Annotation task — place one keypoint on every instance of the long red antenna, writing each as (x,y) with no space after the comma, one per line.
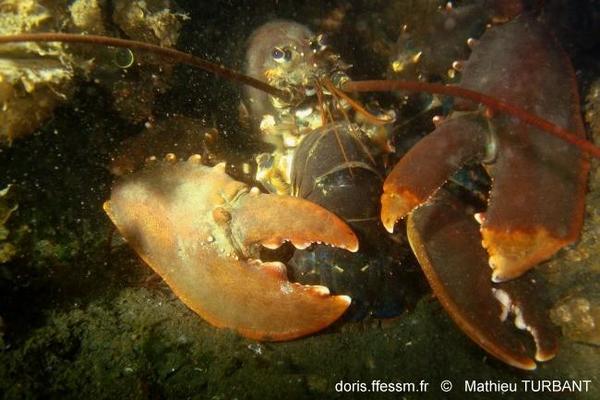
(172,54)
(491,102)
(356,86)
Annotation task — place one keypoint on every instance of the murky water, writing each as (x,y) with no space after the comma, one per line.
(81,316)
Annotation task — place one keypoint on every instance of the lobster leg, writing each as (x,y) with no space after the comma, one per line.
(429,164)
(445,239)
(200,230)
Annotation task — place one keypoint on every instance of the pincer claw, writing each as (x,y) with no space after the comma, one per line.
(270,220)
(200,230)
(444,237)
(424,169)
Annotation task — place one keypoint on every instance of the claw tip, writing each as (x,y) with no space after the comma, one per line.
(543,356)
(395,207)
(345,299)
(389,224)
(353,248)
(530,365)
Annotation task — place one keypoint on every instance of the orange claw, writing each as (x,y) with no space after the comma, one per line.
(199,230)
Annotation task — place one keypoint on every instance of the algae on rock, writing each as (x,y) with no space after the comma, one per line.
(35,78)
(7,249)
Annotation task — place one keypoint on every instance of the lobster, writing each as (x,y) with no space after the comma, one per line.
(202,231)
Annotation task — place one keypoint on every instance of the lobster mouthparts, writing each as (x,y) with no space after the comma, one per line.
(201,231)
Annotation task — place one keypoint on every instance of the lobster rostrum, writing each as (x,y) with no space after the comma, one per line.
(202,231)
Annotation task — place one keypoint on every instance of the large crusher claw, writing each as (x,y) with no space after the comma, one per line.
(200,230)
(445,239)
(536,204)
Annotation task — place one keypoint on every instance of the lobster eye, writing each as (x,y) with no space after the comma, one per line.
(281,55)
(278,54)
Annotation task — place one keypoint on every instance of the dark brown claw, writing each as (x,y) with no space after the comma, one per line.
(522,298)
(536,203)
(537,198)
(445,239)
(199,230)
(427,166)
